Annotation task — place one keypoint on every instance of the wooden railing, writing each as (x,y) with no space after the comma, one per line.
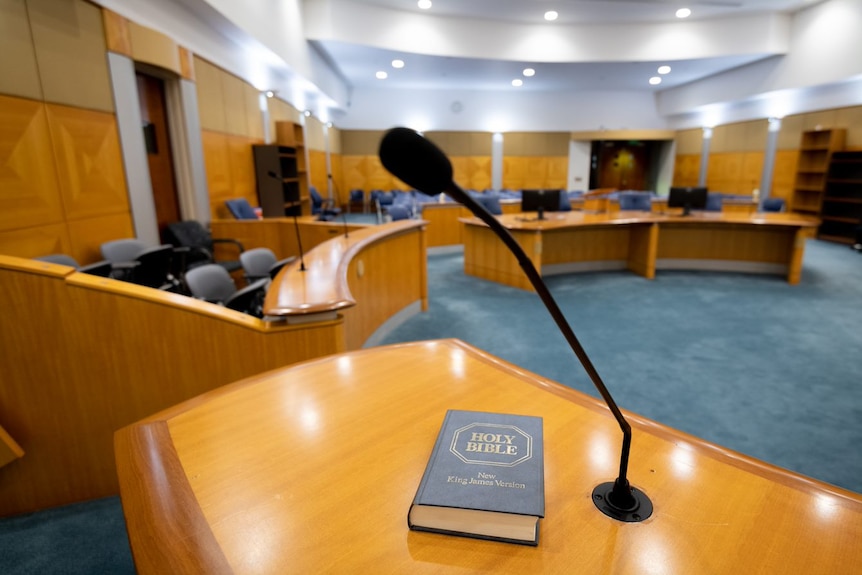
(82,356)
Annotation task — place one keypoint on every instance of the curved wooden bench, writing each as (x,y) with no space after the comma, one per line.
(84,355)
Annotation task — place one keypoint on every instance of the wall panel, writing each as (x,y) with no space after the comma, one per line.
(19,74)
(34,241)
(86,235)
(210,96)
(70,50)
(89,164)
(28,177)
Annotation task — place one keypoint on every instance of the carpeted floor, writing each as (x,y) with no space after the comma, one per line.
(748,362)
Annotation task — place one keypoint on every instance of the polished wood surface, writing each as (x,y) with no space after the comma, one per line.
(381,270)
(83,356)
(312,468)
(279,234)
(9,448)
(642,242)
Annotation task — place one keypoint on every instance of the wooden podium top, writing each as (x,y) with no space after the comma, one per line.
(312,469)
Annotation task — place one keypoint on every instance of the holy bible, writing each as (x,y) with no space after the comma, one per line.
(485,479)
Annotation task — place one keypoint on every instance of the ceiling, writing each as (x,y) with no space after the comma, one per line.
(359,63)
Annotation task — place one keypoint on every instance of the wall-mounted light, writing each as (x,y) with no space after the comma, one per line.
(306,113)
(707,132)
(270,93)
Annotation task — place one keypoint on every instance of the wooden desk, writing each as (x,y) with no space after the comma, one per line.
(312,468)
(643,242)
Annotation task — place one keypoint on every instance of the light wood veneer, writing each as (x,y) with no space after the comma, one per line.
(642,242)
(312,469)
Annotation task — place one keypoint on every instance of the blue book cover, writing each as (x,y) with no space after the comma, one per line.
(485,478)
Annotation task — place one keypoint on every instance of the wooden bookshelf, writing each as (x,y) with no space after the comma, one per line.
(841,211)
(815,153)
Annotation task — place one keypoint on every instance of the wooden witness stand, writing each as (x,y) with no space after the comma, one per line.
(312,468)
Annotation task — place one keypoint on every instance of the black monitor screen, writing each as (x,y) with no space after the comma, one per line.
(687,198)
(540,201)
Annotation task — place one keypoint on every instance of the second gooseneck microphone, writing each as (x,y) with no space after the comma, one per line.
(422,165)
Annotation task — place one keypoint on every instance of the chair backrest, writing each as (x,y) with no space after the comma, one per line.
(189,233)
(124,250)
(210,282)
(635,201)
(772,205)
(565,204)
(316,199)
(61,259)
(490,201)
(154,267)
(250,298)
(398,212)
(241,209)
(713,202)
(257,262)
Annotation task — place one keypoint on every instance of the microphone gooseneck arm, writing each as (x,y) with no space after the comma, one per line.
(621,485)
(299,244)
(421,164)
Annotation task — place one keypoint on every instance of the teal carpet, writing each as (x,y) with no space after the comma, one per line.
(748,362)
(745,361)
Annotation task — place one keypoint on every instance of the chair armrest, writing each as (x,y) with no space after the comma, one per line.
(229,241)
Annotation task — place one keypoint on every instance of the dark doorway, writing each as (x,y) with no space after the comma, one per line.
(624,165)
(151,93)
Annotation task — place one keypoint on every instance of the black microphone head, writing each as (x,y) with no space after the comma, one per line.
(415,161)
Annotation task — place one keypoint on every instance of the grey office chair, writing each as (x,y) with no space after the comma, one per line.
(258,263)
(101,268)
(212,283)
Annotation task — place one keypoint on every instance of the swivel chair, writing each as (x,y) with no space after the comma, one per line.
(324,209)
(241,209)
(101,268)
(641,201)
(259,263)
(196,246)
(212,283)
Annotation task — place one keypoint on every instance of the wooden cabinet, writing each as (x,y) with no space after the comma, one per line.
(841,213)
(282,176)
(815,153)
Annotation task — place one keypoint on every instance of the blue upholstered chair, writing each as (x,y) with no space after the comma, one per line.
(398,212)
(632,200)
(241,209)
(713,202)
(490,201)
(772,205)
(323,208)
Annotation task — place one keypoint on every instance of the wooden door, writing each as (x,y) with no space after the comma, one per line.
(623,165)
(151,93)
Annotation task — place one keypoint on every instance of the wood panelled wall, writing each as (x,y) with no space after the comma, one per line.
(535,160)
(231,122)
(530,160)
(737,151)
(62,180)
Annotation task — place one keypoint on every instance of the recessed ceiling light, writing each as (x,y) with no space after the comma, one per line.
(424,4)
(683,13)
(381,75)
(517,82)
(397,63)
(664,69)
(528,72)
(655,80)
(551,15)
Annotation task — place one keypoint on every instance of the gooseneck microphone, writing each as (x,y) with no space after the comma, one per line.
(422,165)
(274,176)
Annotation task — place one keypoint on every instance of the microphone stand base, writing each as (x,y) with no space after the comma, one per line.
(640,510)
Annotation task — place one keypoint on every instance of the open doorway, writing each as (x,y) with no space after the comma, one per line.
(154,117)
(625,164)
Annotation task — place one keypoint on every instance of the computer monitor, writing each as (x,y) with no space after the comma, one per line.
(540,201)
(687,198)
